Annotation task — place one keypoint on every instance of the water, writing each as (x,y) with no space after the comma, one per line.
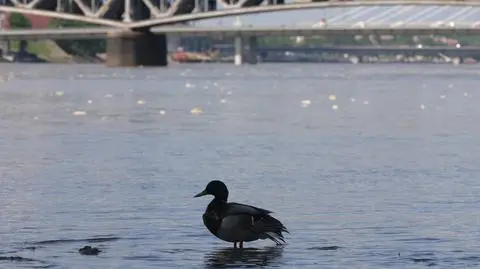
(388,180)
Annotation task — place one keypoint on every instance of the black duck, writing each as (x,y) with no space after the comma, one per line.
(238,223)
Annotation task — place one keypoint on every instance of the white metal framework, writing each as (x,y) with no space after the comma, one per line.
(149,13)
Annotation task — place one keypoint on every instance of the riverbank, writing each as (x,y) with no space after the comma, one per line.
(48,51)
(45,51)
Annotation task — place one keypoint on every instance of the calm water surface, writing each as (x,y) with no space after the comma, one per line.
(390,179)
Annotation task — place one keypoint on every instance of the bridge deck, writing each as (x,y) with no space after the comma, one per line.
(89,33)
(148,13)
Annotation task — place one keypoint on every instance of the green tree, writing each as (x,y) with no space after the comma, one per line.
(18,21)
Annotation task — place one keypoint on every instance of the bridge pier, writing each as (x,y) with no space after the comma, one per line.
(136,48)
(457,60)
(238,48)
(252,50)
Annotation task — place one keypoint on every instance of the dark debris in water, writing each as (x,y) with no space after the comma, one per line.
(88,250)
(325,248)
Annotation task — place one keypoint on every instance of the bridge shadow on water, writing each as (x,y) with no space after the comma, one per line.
(242,258)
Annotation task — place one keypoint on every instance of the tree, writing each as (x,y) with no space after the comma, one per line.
(18,21)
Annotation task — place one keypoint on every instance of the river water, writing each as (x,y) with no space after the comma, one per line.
(384,176)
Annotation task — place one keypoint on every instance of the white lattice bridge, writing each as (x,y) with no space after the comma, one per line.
(139,46)
(148,13)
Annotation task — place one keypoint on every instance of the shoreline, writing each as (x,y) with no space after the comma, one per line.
(52,53)
(79,60)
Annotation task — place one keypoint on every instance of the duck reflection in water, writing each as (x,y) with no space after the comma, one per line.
(243,257)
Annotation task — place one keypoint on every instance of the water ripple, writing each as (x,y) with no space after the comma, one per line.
(388,179)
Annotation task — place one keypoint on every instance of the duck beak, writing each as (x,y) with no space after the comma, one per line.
(203,193)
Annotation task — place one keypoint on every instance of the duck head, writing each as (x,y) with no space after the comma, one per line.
(216,188)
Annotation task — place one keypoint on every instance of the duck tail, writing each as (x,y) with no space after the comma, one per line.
(271,228)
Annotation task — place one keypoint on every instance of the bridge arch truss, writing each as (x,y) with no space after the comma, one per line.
(149,13)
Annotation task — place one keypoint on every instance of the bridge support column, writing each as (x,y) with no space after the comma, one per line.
(136,48)
(238,57)
(252,49)
(457,60)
